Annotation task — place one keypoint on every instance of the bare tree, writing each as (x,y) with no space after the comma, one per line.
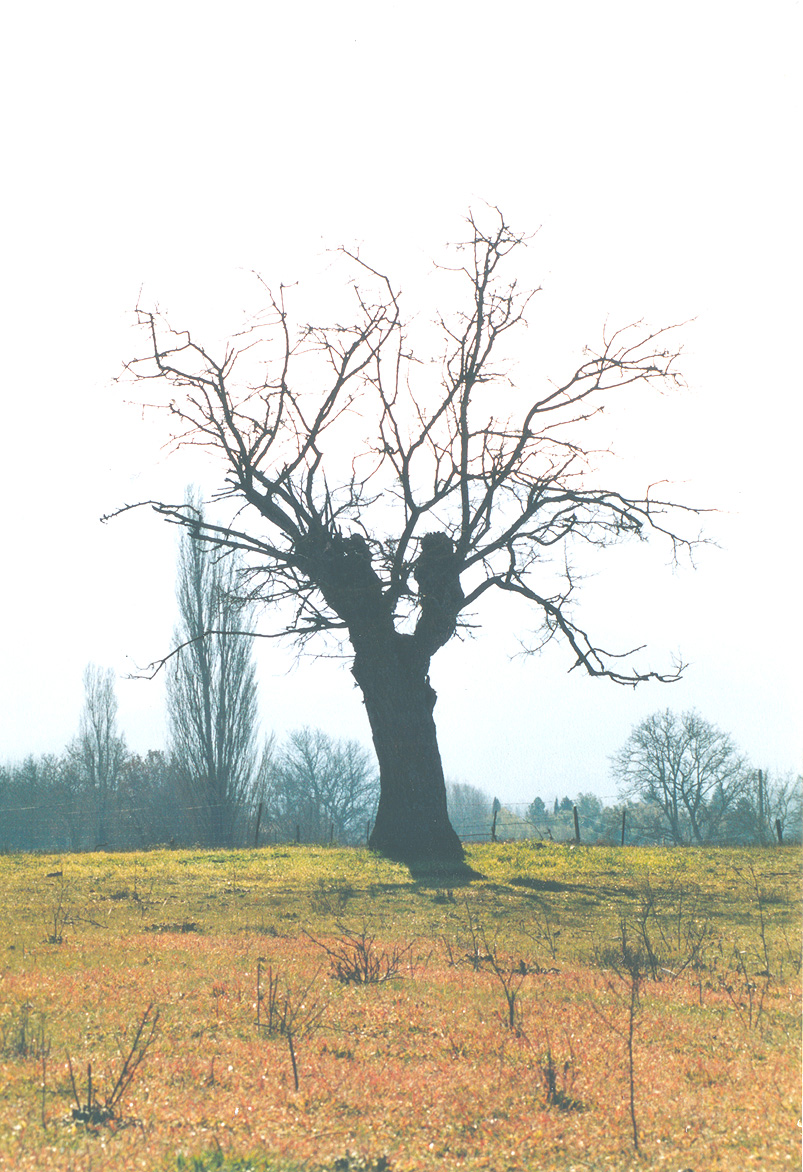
(381,497)
(766,802)
(211,685)
(325,787)
(470,809)
(98,754)
(687,768)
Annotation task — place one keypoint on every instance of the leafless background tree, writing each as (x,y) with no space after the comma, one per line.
(381,492)
(97,755)
(322,788)
(685,767)
(470,809)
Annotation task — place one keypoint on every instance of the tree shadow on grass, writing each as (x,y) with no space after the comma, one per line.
(428,873)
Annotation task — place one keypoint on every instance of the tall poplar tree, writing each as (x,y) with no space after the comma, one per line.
(99,752)
(212,687)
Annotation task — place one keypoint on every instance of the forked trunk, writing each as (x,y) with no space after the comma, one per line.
(391,669)
(412,822)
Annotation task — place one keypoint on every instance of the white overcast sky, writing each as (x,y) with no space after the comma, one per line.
(175,147)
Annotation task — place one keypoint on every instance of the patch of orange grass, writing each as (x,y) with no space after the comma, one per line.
(422,1069)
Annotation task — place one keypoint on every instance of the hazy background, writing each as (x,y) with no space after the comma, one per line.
(164,151)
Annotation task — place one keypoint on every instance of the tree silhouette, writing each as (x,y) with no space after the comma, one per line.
(380,497)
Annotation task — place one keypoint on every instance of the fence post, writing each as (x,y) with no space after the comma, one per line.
(576,825)
(496,808)
(259,819)
(624,817)
(298,834)
(779,831)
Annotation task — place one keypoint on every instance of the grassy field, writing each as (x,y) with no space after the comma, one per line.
(561,1008)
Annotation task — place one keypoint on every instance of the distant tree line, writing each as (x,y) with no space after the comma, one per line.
(311,788)
(644,823)
(681,780)
(471,811)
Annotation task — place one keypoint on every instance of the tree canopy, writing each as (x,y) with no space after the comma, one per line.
(687,768)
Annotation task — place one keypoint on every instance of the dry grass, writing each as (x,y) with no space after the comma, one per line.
(435,1066)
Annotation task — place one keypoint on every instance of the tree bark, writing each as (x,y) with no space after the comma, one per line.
(412,822)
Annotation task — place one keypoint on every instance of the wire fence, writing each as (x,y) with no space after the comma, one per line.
(68,823)
(53,827)
(621,825)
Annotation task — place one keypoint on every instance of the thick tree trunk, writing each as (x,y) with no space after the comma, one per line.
(412,822)
(391,669)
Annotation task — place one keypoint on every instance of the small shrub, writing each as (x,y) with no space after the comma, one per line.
(544,929)
(291,1014)
(558,1079)
(509,973)
(286,1012)
(95,1111)
(59,913)
(356,959)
